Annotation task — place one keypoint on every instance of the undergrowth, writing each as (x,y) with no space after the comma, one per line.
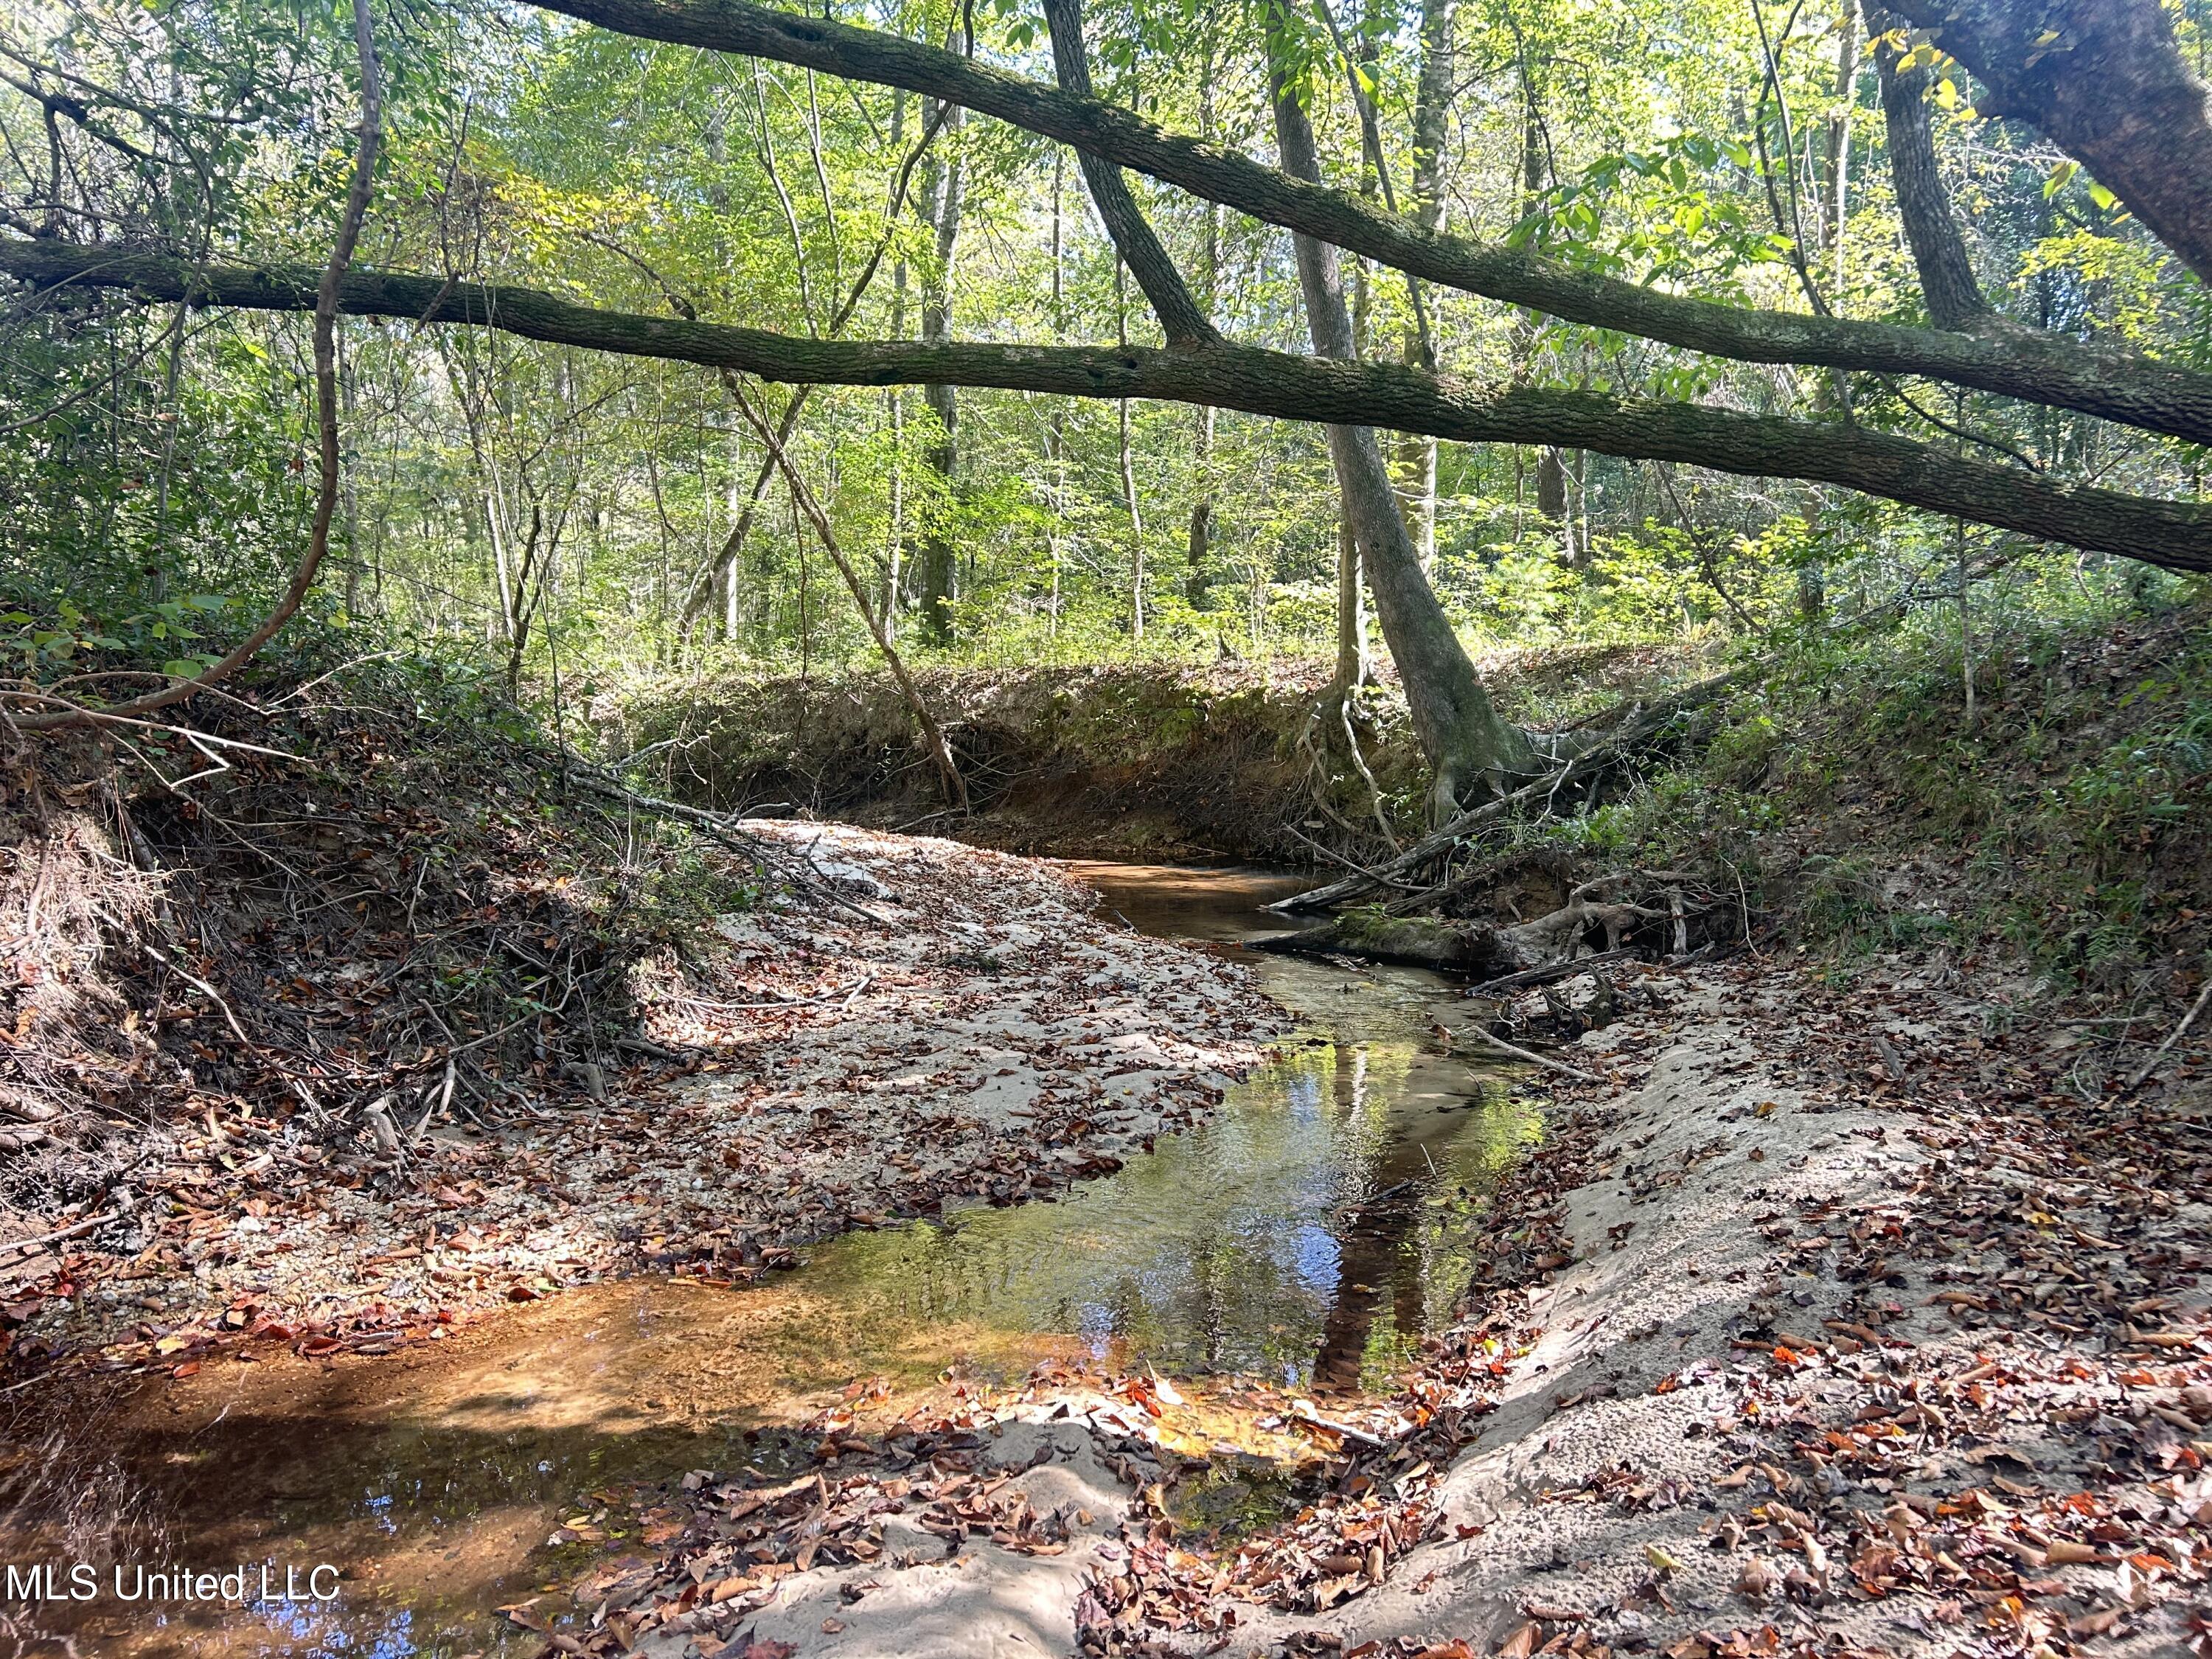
(2066,821)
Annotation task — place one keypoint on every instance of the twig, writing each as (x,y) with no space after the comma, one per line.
(1478,1034)
(1305,1413)
(1377,877)
(107,717)
(1374,1199)
(1557,970)
(717,825)
(843,999)
(2158,1054)
(201,985)
(1638,727)
(55,1238)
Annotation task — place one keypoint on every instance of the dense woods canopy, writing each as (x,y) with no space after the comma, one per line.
(1667,314)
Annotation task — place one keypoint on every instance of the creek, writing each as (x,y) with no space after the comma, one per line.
(1307,1235)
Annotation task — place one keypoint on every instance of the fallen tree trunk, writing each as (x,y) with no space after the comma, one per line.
(2175,535)
(1408,941)
(1525,953)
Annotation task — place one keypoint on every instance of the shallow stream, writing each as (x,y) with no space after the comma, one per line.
(1308,1234)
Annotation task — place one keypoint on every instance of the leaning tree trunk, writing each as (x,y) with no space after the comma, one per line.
(942,205)
(1474,751)
(2105,80)
(1939,252)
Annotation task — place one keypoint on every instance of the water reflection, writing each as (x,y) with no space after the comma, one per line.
(1309,1232)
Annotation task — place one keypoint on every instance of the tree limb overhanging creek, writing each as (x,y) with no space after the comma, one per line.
(2173,534)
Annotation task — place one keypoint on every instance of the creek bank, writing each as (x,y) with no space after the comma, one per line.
(1827,1322)
(980,1035)
(1143,761)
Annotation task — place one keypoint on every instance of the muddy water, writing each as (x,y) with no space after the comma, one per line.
(1307,1234)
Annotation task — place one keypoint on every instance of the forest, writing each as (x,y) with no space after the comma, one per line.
(1321,826)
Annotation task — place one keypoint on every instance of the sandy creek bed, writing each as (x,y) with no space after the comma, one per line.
(433,1478)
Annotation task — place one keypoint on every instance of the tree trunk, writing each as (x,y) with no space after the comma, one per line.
(1552,486)
(1055,434)
(1136,527)
(1140,250)
(1417,451)
(1536,171)
(1354,666)
(894,411)
(1939,251)
(941,206)
(1473,752)
(1836,193)
(2106,82)
(1197,575)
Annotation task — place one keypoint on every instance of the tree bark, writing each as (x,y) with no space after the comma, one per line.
(942,202)
(1470,747)
(1354,666)
(2174,535)
(2106,82)
(1939,251)
(2108,381)
(1199,542)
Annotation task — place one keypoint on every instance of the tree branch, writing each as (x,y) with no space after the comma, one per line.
(2176,535)
(2114,383)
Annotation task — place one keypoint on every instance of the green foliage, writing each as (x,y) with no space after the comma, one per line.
(567,522)
(2070,819)
(1658,216)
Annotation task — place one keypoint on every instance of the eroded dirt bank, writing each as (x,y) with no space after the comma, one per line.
(963,1025)
(1121,761)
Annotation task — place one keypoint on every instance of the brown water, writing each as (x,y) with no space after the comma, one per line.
(1307,1234)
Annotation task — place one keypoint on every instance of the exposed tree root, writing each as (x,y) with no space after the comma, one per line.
(1639,729)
